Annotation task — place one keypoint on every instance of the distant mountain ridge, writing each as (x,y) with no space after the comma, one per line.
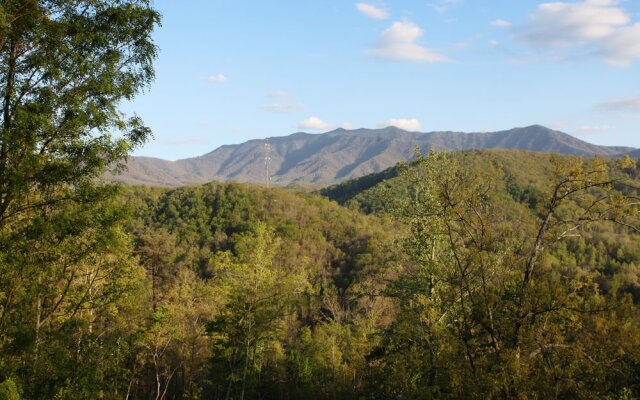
(303,158)
(634,154)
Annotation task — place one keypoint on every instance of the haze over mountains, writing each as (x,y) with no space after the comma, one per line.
(335,156)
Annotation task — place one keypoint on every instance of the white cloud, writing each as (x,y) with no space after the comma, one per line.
(219,78)
(572,24)
(623,47)
(315,124)
(372,12)
(603,2)
(501,23)
(409,124)
(494,42)
(398,42)
(629,104)
(592,129)
(281,102)
(599,27)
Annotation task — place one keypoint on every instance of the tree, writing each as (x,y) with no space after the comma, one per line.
(67,284)
(65,66)
(155,249)
(483,310)
(259,296)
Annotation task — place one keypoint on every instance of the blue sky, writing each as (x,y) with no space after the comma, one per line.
(234,70)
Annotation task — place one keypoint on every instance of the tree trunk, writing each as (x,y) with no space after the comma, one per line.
(244,372)
(6,127)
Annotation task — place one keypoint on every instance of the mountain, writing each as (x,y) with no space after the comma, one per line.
(336,156)
(370,193)
(634,154)
(520,176)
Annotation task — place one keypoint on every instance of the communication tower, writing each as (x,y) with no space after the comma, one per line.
(267,163)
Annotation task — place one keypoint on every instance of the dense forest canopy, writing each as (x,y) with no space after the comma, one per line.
(238,291)
(475,274)
(65,67)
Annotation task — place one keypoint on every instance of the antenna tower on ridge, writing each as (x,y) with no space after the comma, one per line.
(267,162)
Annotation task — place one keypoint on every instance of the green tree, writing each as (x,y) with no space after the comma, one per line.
(65,66)
(483,311)
(259,296)
(9,390)
(155,249)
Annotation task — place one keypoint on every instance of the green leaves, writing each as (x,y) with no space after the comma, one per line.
(64,68)
(489,297)
(9,390)
(65,260)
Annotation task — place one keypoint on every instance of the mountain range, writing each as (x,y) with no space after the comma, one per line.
(339,155)
(634,154)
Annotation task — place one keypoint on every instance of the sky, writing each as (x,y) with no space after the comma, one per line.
(229,71)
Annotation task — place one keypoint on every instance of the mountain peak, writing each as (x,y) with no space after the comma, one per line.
(344,154)
(536,129)
(388,129)
(539,127)
(394,129)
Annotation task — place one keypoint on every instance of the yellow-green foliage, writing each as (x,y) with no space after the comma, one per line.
(499,274)
(9,390)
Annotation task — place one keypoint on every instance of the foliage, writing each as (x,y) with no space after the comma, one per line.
(279,274)
(309,300)
(64,68)
(484,311)
(67,275)
(9,390)
(478,275)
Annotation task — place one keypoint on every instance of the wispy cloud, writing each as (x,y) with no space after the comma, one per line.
(628,104)
(281,102)
(399,43)
(218,78)
(442,6)
(315,124)
(501,23)
(598,27)
(372,12)
(408,124)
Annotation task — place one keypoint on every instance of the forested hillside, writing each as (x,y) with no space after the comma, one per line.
(280,290)
(473,274)
(229,291)
(522,279)
(519,183)
(218,291)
